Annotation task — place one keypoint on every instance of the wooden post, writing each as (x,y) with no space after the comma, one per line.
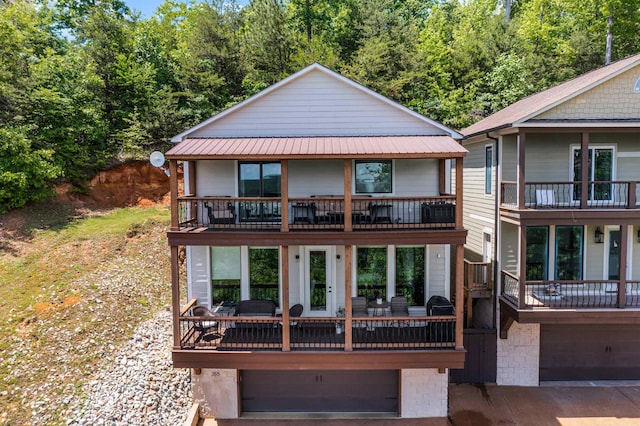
(522,139)
(192,189)
(459,294)
(173,187)
(584,164)
(347,196)
(284,208)
(286,337)
(459,172)
(631,204)
(175,295)
(622,266)
(348,317)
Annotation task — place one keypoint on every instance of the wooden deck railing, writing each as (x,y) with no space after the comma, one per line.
(579,294)
(478,275)
(230,333)
(316,213)
(567,195)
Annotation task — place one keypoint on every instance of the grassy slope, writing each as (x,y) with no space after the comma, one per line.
(68,296)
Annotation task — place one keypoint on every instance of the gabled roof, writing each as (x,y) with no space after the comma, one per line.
(318,147)
(531,106)
(299,75)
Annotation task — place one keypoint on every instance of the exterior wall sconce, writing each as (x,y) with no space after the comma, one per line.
(297,258)
(638,236)
(338,256)
(598,236)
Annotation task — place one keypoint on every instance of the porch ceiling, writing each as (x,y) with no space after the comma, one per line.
(318,147)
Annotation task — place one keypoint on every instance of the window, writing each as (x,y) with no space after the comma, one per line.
(372,272)
(264,274)
(410,274)
(488,167)
(537,253)
(225,274)
(373,177)
(259,179)
(569,252)
(600,168)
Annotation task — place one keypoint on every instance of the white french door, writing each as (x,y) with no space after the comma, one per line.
(318,283)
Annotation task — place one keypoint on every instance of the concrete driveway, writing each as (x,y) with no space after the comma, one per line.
(483,405)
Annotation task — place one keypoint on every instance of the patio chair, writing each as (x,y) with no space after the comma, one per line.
(399,306)
(207,329)
(220,212)
(359,307)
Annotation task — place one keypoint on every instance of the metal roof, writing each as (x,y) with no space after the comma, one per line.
(318,147)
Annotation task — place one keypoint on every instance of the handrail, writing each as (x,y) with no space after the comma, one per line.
(190,304)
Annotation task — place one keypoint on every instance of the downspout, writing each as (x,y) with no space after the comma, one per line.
(496,223)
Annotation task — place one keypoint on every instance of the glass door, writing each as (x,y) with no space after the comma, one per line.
(600,164)
(319,281)
(614,254)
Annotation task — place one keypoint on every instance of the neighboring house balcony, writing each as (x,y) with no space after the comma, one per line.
(568,301)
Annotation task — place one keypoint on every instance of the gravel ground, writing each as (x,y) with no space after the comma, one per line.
(139,386)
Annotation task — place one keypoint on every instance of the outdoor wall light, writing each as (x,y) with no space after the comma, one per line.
(598,236)
(338,256)
(297,257)
(639,235)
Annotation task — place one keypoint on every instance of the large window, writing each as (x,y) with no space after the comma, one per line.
(488,167)
(259,180)
(225,274)
(373,177)
(410,274)
(569,252)
(263,274)
(537,253)
(372,272)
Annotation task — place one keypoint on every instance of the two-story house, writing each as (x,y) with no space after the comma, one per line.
(322,226)
(551,191)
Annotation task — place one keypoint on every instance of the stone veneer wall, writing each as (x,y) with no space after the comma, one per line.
(519,356)
(424,393)
(216,390)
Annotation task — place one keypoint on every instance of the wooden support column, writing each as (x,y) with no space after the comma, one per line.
(347,196)
(284,184)
(522,265)
(631,203)
(622,267)
(442,167)
(459,294)
(175,295)
(584,165)
(348,317)
(459,172)
(522,139)
(173,187)
(286,336)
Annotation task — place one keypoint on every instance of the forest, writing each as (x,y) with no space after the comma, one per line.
(86,84)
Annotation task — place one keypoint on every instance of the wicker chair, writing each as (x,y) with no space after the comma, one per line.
(399,306)
(359,307)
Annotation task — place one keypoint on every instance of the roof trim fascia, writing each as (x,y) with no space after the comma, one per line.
(295,76)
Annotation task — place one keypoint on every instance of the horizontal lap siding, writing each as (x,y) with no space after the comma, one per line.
(317,104)
(477,204)
(548,157)
(324,177)
(216,178)
(416,178)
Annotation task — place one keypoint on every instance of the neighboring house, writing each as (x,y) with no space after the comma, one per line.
(302,206)
(551,192)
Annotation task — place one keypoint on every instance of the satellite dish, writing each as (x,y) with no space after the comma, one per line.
(157,159)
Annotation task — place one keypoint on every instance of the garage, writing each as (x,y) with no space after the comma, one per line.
(320,391)
(589,352)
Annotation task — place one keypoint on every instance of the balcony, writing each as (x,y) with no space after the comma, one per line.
(230,333)
(583,294)
(568,195)
(315,213)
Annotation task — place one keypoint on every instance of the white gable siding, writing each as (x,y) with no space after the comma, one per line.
(317,104)
(198,274)
(613,99)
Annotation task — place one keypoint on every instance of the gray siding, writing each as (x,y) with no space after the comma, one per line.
(317,104)
(216,177)
(509,248)
(509,160)
(479,208)
(416,177)
(437,279)
(635,253)
(593,261)
(311,177)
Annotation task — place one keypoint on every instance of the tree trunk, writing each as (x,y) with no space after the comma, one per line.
(607,57)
